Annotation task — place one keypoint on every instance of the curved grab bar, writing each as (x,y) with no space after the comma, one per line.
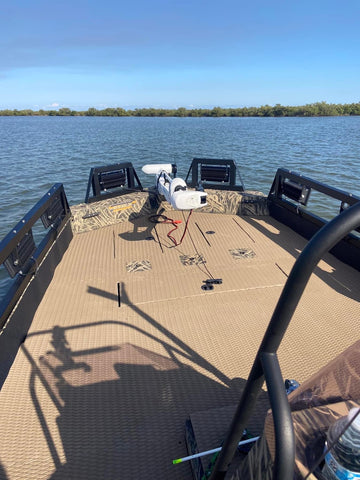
(284,432)
(321,242)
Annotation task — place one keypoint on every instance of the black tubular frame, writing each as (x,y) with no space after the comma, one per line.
(306,223)
(132,181)
(266,365)
(9,243)
(283,174)
(284,443)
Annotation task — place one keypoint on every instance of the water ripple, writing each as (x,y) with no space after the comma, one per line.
(37,152)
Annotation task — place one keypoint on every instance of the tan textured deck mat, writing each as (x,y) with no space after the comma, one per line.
(126,345)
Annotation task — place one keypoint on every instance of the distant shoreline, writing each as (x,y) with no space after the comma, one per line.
(319,109)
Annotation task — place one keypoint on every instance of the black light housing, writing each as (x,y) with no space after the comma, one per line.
(19,258)
(296,191)
(215,173)
(54,213)
(112,179)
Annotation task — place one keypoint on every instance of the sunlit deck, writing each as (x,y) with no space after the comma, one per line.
(126,345)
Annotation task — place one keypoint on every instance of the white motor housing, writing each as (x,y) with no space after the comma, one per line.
(157,168)
(175,189)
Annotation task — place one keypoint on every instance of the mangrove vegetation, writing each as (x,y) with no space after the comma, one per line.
(319,109)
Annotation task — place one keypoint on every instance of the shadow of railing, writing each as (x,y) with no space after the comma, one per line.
(3,474)
(337,279)
(122,407)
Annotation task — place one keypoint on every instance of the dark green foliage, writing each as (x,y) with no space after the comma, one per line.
(318,109)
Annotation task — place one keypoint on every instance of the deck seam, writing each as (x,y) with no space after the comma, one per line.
(212,293)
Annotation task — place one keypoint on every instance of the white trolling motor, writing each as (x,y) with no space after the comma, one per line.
(175,189)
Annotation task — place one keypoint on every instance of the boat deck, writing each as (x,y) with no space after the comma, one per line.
(125,344)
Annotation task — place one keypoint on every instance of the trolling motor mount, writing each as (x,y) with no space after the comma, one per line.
(175,190)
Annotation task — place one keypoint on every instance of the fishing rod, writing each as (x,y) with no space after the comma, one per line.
(209,452)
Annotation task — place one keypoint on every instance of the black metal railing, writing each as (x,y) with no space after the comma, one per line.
(266,366)
(284,176)
(288,202)
(18,251)
(111,180)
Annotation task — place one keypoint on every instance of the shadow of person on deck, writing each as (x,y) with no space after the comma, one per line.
(122,407)
(133,425)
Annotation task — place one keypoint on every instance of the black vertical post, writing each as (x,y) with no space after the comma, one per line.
(324,240)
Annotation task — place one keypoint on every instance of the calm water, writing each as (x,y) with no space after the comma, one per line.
(37,152)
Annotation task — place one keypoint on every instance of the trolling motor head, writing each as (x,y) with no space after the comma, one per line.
(175,189)
(155,169)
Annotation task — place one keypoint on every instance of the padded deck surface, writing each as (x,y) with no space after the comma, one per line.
(126,345)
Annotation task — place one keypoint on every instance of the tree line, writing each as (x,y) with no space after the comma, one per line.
(318,109)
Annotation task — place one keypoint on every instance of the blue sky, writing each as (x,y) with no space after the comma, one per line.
(143,53)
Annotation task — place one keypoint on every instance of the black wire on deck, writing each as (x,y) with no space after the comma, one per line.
(164,219)
(175,223)
(197,251)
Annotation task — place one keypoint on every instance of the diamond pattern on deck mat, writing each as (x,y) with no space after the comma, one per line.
(138,266)
(187,260)
(239,253)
